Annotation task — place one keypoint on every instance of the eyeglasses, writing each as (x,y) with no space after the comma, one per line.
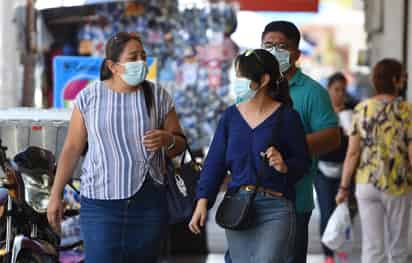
(269,46)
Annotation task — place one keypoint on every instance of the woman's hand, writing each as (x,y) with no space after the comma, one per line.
(276,160)
(199,217)
(155,140)
(342,195)
(55,213)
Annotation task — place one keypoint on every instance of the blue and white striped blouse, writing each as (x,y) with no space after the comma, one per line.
(117,162)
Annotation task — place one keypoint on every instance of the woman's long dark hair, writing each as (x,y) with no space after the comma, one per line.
(253,64)
(114,48)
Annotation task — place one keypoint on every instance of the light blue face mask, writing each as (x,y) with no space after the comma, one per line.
(135,72)
(283,57)
(241,87)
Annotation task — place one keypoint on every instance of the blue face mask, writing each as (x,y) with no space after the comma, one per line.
(241,87)
(134,73)
(283,57)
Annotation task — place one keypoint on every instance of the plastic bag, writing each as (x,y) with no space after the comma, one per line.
(338,229)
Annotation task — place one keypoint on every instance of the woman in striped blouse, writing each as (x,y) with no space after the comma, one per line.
(130,125)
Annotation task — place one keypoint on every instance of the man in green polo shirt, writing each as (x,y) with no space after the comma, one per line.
(320,122)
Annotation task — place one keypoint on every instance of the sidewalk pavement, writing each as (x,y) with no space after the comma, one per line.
(219,258)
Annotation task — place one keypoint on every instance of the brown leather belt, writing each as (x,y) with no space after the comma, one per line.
(263,190)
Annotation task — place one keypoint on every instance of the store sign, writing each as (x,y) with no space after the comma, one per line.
(280,5)
(74,73)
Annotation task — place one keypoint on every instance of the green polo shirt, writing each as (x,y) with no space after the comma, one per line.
(312,102)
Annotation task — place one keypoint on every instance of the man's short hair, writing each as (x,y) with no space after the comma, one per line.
(287,28)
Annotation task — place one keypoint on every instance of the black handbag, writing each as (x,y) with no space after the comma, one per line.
(236,212)
(181,185)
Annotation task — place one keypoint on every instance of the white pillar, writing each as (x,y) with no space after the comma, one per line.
(389,40)
(385,29)
(10,68)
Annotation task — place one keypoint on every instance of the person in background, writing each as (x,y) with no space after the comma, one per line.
(244,132)
(130,124)
(319,119)
(380,155)
(330,165)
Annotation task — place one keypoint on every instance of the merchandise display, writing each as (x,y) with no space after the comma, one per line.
(193,49)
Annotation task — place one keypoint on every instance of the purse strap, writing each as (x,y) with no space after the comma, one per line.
(278,123)
(187,149)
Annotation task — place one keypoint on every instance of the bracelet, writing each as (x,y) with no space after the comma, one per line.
(173,144)
(343,188)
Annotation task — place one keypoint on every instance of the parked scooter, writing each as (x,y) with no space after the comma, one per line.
(28,180)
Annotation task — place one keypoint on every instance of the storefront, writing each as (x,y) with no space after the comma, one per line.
(190,51)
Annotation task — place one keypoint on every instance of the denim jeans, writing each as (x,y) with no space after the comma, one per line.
(271,236)
(300,248)
(125,230)
(326,190)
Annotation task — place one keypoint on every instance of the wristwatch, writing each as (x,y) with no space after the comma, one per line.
(173,144)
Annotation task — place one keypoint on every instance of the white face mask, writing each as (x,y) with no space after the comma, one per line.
(135,72)
(283,57)
(241,87)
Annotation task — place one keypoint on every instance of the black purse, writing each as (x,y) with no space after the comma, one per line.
(181,185)
(236,212)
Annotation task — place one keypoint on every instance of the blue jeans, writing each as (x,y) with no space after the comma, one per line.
(125,230)
(271,236)
(326,190)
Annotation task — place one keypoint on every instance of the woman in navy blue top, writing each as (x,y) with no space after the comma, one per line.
(264,122)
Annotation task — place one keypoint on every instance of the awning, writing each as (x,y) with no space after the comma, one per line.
(255,5)
(280,5)
(48,4)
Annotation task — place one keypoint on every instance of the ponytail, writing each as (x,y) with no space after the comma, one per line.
(105,72)
(148,96)
(279,90)
(254,64)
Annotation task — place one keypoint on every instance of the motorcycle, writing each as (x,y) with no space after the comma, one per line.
(26,189)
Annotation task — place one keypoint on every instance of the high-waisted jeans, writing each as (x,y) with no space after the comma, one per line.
(271,237)
(128,230)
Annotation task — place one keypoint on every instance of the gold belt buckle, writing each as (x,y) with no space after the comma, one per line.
(249,188)
(275,194)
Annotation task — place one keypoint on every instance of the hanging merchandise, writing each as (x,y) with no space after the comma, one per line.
(208,30)
(214,73)
(134,9)
(189,73)
(193,50)
(189,68)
